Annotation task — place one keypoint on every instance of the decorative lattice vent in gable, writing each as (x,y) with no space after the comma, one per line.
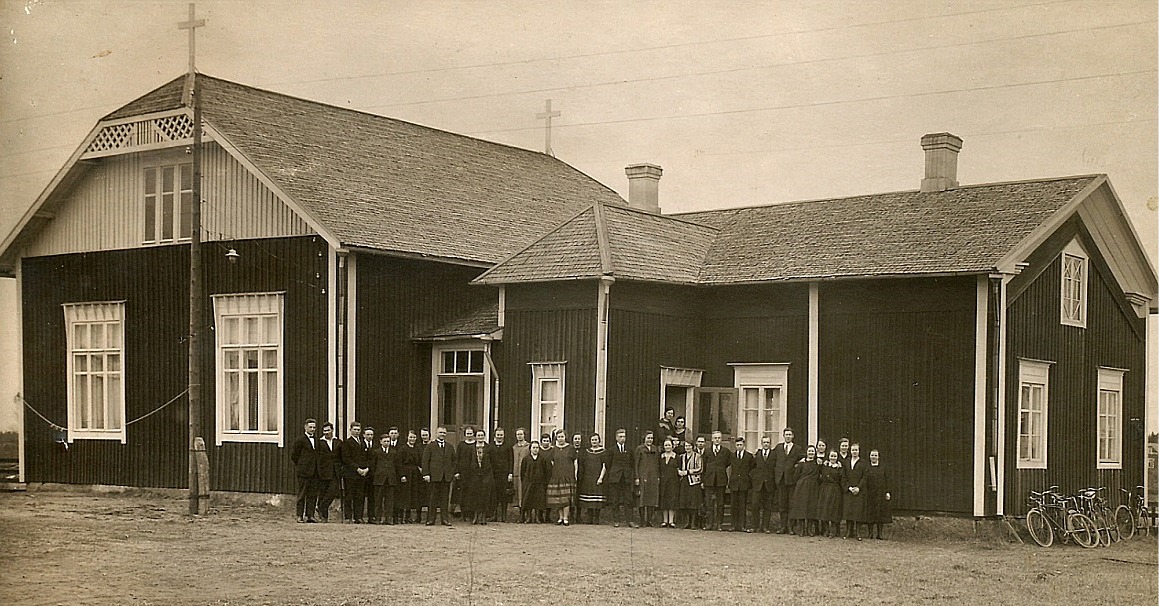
(141,135)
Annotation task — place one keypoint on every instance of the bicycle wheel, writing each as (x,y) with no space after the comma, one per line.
(1104,527)
(1083,530)
(1039,527)
(1144,521)
(1125,521)
(1112,524)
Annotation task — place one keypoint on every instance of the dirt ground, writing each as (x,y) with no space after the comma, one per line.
(85,548)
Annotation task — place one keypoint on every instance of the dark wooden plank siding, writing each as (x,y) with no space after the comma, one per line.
(649,326)
(1113,338)
(399,299)
(154,284)
(896,373)
(554,322)
(767,324)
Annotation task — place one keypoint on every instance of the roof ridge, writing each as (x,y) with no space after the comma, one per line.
(602,242)
(481,278)
(664,216)
(884,193)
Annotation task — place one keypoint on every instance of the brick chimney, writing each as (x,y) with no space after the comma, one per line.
(644,187)
(941,161)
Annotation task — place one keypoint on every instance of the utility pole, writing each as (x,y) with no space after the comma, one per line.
(198,459)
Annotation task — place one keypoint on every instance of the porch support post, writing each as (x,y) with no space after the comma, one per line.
(980,339)
(601,416)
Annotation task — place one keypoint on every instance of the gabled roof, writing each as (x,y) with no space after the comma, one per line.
(381,183)
(619,242)
(963,230)
(967,230)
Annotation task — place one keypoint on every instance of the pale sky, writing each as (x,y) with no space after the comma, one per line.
(741,103)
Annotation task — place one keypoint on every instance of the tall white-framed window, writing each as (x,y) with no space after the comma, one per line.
(1073,310)
(547,397)
(1033,404)
(249,348)
(168,203)
(95,337)
(762,409)
(1110,418)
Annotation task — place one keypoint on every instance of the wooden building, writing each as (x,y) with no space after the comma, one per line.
(989,339)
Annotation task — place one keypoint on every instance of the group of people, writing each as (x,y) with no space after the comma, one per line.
(686,480)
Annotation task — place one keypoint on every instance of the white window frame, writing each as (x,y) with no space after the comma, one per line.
(110,316)
(762,377)
(243,307)
(542,372)
(1072,311)
(1033,374)
(155,200)
(1109,418)
(487,374)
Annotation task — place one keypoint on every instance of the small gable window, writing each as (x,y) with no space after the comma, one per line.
(1074,286)
(168,203)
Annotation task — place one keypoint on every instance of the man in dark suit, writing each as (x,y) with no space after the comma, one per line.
(464,451)
(328,469)
(360,462)
(620,477)
(785,456)
(353,486)
(384,478)
(438,469)
(717,460)
(304,454)
(763,486)
(503,458)
(738,485)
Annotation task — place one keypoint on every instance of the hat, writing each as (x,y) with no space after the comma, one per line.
(740,438)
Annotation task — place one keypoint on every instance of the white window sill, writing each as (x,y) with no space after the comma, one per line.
(89,434)
(257,438)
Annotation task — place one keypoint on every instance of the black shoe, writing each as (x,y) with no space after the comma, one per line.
(430,523)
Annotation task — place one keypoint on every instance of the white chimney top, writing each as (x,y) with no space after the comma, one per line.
(941,161)
(644,187)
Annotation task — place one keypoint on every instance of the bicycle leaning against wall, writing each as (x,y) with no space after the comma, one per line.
(1051,513)
(1133,515)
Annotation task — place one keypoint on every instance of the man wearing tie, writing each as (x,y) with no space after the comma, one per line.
(717,460)
(738,485)
(352,485)
(328,469)
(620,478)
(438,468)
(785,457)
(763,486)
(304,454)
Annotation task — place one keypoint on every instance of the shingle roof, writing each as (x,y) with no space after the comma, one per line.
(483,320)
(386,184)
(611,241)
(965,230)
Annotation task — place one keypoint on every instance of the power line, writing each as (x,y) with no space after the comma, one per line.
(666,46)
(755,67)
(823,103)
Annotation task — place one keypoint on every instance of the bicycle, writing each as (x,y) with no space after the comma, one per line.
(1052,513)
(1094,506)
(1133,515)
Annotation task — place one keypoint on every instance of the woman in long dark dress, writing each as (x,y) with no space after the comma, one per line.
(669,463)
(407,494)
(853,499)
(479,483)
(648,478)
(691,492)
(829,495)
(591,481)
(803,502)
(561,488)
(877,495)
(822,453)
(535,471)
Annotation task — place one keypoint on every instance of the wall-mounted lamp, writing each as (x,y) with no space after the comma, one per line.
(232,256)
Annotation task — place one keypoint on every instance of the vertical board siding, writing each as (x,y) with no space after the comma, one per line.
(105,209)
(897,373)
(398,300)
(649,326)
(553,322)
(1113,338)
(154,285)
(767,323)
